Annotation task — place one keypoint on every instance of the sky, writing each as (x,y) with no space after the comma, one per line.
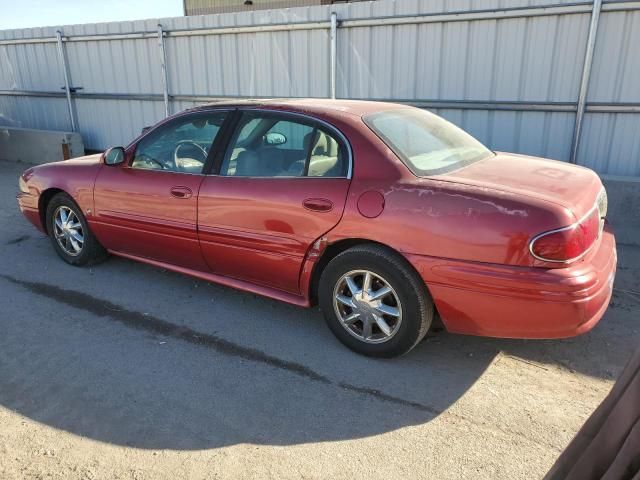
(42,13)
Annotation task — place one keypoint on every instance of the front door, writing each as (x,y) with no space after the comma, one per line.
(280,185)
(147,207)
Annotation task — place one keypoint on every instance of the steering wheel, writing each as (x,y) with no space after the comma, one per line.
(188,142)
(146,158)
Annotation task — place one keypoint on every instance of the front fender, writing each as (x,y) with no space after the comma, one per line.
(75,177)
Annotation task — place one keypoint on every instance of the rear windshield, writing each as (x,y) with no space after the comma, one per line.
(425,142)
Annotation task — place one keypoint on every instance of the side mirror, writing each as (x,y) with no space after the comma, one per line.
(113,156)
(274,138)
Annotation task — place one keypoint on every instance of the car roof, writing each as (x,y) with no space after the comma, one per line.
(320,106)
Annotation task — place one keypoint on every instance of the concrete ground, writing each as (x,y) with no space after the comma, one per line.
(128,371)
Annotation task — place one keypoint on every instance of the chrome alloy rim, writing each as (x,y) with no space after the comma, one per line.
(68,231)
(367,306)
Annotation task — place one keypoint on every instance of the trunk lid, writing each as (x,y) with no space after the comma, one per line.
(570,186)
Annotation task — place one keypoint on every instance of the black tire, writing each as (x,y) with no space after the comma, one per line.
(91,252)
(415,303)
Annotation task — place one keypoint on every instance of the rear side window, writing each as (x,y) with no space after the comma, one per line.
(274,145)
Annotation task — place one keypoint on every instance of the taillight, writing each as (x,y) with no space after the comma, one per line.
(568,243)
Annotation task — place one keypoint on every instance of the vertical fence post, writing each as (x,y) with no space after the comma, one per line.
(333,36)
(65,72)
(584,83)
(163,62)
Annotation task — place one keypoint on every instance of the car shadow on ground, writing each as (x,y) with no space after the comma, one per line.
(93,370)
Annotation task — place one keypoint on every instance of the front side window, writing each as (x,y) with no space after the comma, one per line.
(180,146)
(271,145)
(426,143)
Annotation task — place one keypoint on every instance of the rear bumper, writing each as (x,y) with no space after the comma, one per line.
(522,302)
(28,204)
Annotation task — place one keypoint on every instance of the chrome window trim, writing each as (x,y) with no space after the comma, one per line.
(569,227)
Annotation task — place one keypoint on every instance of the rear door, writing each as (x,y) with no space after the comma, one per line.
(280,185)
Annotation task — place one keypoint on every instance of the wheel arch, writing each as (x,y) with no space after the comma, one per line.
(43,203)
(336,248)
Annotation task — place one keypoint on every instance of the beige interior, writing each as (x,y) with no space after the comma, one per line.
(324,156)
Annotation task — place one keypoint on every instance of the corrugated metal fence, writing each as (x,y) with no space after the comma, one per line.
(511,73)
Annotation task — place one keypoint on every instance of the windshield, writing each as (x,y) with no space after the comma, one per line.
(425,142)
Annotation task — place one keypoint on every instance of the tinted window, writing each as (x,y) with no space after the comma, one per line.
(273,146)
(426,143)
(180,146)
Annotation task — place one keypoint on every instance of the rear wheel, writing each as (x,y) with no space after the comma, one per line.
(70,234)
(374,302)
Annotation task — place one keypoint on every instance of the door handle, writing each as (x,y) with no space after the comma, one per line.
(180,192)
(318,204)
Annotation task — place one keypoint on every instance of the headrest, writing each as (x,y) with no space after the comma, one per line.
(247,163)
(321,143)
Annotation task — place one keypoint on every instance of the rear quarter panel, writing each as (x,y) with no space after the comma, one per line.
(438,218)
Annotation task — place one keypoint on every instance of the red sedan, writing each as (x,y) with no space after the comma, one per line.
(383,214)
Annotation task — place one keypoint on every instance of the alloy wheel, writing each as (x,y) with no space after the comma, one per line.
(367,306)
(68,231)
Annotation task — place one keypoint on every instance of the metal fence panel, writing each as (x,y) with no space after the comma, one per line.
(34,112)
(30,67)
(510,74)
(115,122)
(616,63)
(611,141)
(522,59)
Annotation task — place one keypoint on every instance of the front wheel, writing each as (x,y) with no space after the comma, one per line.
(374,302)
(70,234)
